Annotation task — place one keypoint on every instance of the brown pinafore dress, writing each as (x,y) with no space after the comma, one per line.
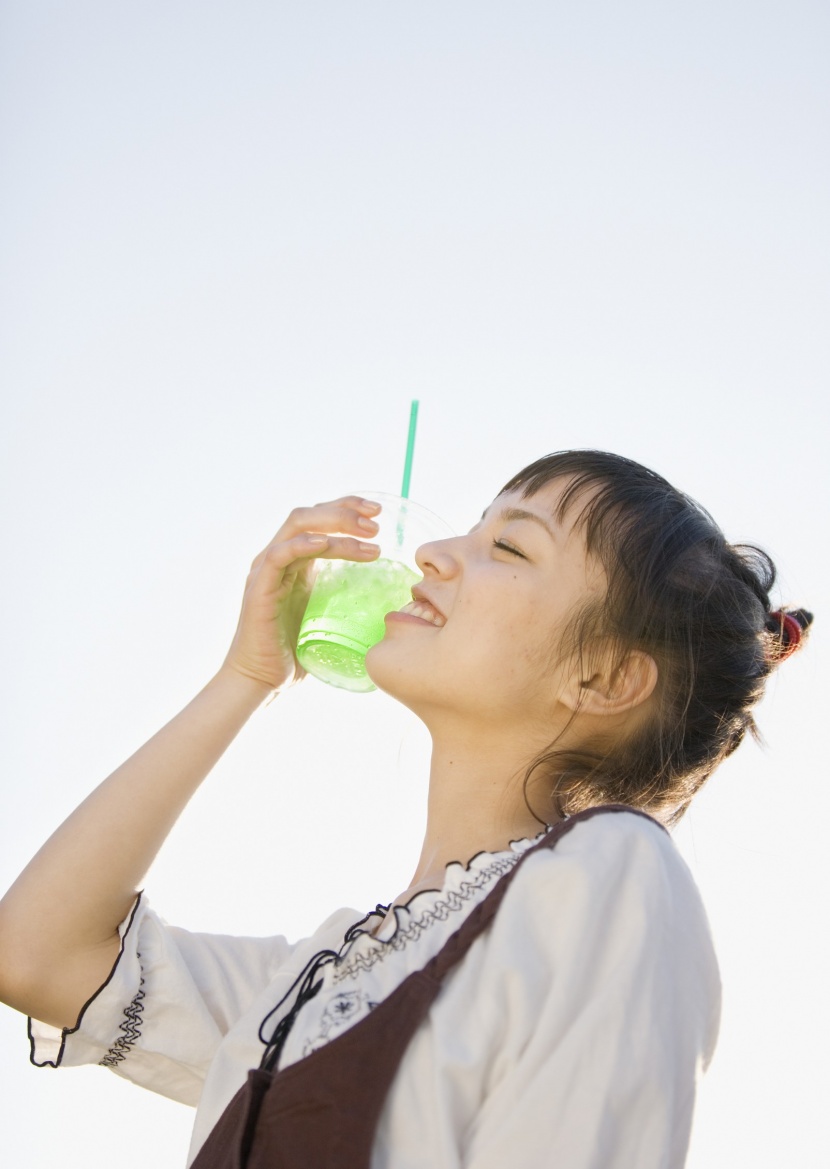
(322,1112)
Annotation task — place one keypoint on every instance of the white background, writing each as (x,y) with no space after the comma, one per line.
(237,239)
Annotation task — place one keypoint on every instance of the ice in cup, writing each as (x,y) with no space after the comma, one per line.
(348,601)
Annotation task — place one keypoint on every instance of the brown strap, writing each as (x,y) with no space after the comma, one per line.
(480,917)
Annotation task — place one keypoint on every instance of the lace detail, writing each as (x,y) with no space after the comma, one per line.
(344,1010)
(409,931)
(131,1026)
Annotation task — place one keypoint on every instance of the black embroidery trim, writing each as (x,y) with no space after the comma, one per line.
(343,1011)
(71,1030)
(411,930)
(308,987)
(131,1027)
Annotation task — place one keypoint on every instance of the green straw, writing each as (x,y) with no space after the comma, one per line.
(410,449)
(407,467)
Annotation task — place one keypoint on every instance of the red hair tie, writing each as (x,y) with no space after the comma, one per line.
(789,631)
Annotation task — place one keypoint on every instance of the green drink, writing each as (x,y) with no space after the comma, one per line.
(349,600)
(344,618)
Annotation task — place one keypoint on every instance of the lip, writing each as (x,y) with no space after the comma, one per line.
(418,594)
(395,616)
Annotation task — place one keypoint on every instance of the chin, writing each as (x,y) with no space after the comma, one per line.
(378,669)
(388,672)
(397,677)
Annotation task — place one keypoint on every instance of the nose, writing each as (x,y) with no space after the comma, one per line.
(439,555)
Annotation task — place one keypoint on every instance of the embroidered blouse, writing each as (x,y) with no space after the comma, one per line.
(574,1032)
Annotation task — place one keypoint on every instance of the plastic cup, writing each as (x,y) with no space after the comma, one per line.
(348,602)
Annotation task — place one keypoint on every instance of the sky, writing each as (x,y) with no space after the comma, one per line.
(236,240)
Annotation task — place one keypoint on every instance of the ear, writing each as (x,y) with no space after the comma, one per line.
(612,689)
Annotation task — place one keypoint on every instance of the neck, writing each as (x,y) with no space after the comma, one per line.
(476,801)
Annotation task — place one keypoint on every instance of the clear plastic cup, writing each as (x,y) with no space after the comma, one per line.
(348,602)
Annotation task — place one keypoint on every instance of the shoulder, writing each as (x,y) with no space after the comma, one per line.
(611,916)
(610,880)
(607,847)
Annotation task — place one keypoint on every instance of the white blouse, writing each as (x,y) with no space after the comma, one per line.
(573,1033)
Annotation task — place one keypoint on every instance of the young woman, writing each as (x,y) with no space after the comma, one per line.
(545,991)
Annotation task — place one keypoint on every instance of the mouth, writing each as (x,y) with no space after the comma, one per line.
(424,611)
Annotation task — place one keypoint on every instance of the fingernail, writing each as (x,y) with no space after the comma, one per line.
(367,525)
(367,547)
(370,505)
(318,539)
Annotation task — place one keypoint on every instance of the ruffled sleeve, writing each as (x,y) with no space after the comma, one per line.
(169,1000)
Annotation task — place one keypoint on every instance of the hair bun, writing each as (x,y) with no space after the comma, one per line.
(788,628)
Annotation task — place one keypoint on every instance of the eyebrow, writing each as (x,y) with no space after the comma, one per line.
(518,513)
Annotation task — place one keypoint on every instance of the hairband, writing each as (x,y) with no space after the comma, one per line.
(789,626)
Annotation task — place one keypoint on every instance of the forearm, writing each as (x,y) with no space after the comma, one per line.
(63,912)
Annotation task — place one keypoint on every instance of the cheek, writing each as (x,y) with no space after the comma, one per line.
(513,635)
(548,635)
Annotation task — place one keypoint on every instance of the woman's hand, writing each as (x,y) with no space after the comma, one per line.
(280,580)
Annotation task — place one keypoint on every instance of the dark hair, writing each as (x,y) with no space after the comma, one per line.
(678,591)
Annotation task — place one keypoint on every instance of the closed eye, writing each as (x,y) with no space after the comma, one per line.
(508,548)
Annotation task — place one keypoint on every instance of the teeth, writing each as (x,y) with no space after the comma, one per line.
(424,611)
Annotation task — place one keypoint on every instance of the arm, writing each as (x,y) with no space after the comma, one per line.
(59,921)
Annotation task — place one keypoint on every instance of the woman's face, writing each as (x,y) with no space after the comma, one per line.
(506,592)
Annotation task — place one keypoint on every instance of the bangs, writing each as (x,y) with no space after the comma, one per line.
(615,497)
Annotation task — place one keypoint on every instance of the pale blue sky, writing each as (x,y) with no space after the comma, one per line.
(235,241)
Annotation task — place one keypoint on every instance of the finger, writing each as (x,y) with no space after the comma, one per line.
(351,514)
(281,553)
(348,548)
